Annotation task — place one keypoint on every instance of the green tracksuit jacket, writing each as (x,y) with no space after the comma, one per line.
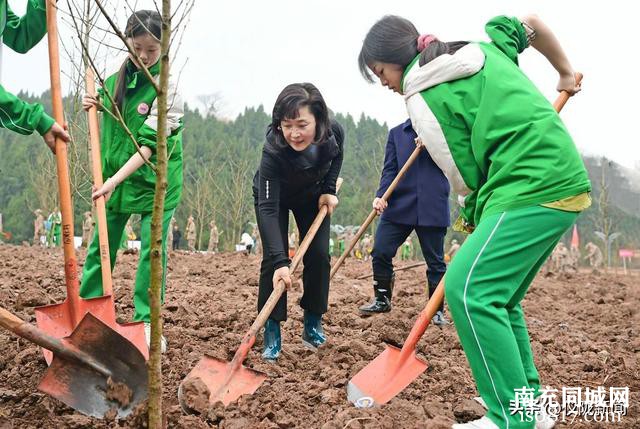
(135,194)
(22,34)
(498,140)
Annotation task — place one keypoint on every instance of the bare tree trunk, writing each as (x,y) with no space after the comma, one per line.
(200,231)
(155,362)
(40,174)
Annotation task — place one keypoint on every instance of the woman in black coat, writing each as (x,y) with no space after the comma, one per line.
(301,160)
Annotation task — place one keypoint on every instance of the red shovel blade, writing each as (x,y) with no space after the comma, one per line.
(134,332)
(385,377)
(57,320)
(224,382)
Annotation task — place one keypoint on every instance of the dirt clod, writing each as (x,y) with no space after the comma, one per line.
(119,392)
(194,394)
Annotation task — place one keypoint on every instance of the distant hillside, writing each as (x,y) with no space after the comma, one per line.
(633,175)
(623,183)
(221,157)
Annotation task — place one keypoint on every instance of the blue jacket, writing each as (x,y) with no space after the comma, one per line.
(422,196)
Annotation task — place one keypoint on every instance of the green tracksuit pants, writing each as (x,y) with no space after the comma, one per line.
(91,286)
(484,285)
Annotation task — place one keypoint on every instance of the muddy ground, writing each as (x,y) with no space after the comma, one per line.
(584,331)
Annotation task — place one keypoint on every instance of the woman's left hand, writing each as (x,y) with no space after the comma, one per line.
(331,201)
(106,189)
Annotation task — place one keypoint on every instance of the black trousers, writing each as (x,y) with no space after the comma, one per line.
(390,235)
(317,262)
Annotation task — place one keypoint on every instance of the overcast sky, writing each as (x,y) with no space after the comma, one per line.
(248,50)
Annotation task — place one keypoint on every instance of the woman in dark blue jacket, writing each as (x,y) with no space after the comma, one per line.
(420,202)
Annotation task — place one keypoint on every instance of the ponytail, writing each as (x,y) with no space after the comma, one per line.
(395,40)
(437,48)
(121,86)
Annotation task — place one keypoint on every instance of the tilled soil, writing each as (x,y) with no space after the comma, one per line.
(584,332)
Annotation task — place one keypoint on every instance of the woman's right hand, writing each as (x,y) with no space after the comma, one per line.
(56,131)
(89,101)
(105,190)
(567,82)
(283,274)
(379,205)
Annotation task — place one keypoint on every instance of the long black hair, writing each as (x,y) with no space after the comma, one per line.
(394,40)
(291,99)
(140,23)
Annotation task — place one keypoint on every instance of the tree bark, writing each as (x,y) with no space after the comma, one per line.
(155,361)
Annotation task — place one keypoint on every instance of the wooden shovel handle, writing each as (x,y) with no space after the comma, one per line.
(395,270)
(29,332)
(62,163)
(279,289)
(430,310)
(373,213)
(101,212)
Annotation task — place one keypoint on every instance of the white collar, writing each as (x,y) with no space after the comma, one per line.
(467,61)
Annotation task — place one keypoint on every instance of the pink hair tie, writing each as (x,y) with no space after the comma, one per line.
(425,40)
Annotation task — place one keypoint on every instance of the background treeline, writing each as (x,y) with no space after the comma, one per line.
(221,157)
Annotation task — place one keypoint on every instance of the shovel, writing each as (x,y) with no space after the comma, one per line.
(134,332)
(85,372)
(394,369)
(227,381)
(59,320)
(395,270)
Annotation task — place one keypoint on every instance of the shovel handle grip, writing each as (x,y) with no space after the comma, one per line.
(373,213)
(96,166)
(62,164)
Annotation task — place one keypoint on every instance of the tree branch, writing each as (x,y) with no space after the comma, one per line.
(115,114)
(132,51)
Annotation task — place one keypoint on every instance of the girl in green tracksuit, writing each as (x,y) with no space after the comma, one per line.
(129,185)
(520,179)
(21,34)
